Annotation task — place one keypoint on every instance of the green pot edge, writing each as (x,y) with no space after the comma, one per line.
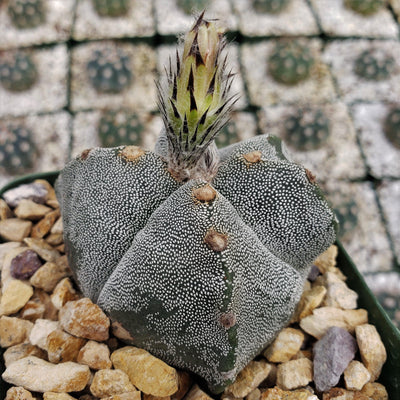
(390,376)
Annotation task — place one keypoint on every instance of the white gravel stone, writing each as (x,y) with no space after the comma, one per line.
(338,20)
(171,20)
(56,27)
(296,19)
(341,55)
(265,91)
(40,331)
(49,93)
(140,95)
(138,22)
(339,158)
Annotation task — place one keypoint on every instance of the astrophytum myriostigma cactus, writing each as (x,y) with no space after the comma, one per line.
(198,255)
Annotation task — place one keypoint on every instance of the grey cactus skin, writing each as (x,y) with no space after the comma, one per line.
(136,241)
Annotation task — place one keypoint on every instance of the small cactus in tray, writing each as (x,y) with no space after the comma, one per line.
(290,62)
(374,65)
(26,14)
(198,255)
(365,7)
(270,6)
(392,126)
(112,8)
(190,6)
(307,129)
(18,71)
(120,127)
(109,70)
(18,152)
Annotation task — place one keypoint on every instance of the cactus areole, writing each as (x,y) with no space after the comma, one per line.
(198,255)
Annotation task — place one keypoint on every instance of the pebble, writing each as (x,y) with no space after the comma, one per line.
(327,260)
(55,239)
(108,382)
(185,382)
(279,394)
(33,310)
(343,394)
(294,374)
(57,396)
(13,331)
(41,376)
(28,209)
(41,329)
(254,395)
(197,394)
(84,319)
(285,346)
(42,228)
(146,372)
(332,355)
(249,378)
(62,293)
(95,355)
(57,228)
(14,297)
(324,318)
(49,275)
(136,395)
(6,248)
(310,300)
(62,346)
(5,211)
(375,391)
(18,393)
(25,264)
(6,277)
(36,192)
(22,350)
(356,376)
(15,229)
(43,249)
(372,350)
(51,312)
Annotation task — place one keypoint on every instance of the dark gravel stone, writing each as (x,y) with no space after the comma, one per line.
(332,354)
(314,273)
(25,264)
(31,191)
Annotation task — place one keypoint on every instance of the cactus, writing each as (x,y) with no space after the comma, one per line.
(270,6)
(308,129)
(26,14)
(17,71)
(374,65)
(119,127)
(290,62)
(109,70)
(18,152)
(392,126)
(197,255)
(365,7)
(190,6)
(111,8)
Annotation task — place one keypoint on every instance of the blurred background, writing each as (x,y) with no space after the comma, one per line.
(322,74)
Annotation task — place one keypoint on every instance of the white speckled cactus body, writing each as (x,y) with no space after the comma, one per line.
(197,255)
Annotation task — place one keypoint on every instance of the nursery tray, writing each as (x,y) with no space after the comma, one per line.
(390,376)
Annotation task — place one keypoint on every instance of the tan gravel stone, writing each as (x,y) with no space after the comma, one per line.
(18,393)
(57,396)
(14,331)
(57,228)
(50,311)
(51,194)
(84,319)
(22,350)
(196,393)
(294,374)
(338,293)
(48,275)
(95,355)
(15,229)
(254,395)
(108,382)
(55,239)
(62,346)
(372,350)
(14,297)
(42,228)
(279,394)
(327,260)
(285,346)
(43,249)
(249,378)
(136,395)
(33,310)
(63,292)
(6,248)
(343,394)
(28,209)
(149,374)
(325,317)
(375,391)
(6,277)
(41,376)
(40,331)
(5,211)
(356,376)
(310,300)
